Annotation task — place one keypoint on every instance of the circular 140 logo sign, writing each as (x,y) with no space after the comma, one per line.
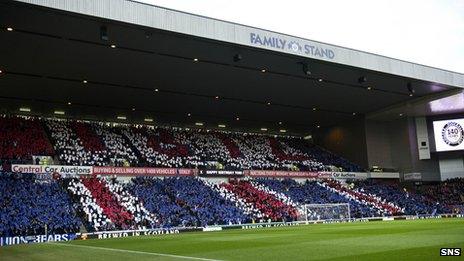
(452,133)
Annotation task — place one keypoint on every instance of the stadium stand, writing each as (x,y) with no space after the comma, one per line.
(248,208)
(447,196)
(88,208)
(118,150)
(323,156)
(87,144)
(89,138)
(411,203)
(71,149)
(142,217)
(204,203)
(280,196)
(233,149)
(272,208)
(107,204)
(27,205)
(97,143)
(107,201)
(22,138)
(373,200)
(209,149)
(314,192)
(159,198)
(158,147)
(187,199)
(97,204)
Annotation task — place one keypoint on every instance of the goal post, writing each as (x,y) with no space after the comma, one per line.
(326,212)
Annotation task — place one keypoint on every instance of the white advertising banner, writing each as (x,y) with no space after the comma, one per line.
(349,175)
(414,176)
(384,175)
(51,169)
(449,134)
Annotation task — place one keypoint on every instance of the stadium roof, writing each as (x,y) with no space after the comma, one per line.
(180,68)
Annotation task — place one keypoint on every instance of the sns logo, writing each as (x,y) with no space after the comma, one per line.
(450,252)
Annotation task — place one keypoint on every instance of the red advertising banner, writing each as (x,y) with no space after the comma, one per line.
(287,174)
(140,171)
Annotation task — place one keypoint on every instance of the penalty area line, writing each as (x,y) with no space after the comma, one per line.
(133,251)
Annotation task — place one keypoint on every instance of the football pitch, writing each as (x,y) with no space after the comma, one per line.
(392,240)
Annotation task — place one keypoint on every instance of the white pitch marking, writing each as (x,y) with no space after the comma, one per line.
(134,251)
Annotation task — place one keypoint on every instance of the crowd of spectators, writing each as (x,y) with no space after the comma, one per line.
(207,149)
(280,196)
(158,147)
(28,207)
(411,203)
(206,204)
(142,217)
(271,207)
(111,207)
(186,201)
(314,192)
(97,143)
(86,205)
(71,150)
(21,138)
(447,196)
(105,204)
(118,150)
(385,207)
(233,149)
(256,152)
(248,208)
(90,141)
(90,144)
(159,198)
(328,159)
(103,144)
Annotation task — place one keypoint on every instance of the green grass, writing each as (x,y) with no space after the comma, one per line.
(394,240)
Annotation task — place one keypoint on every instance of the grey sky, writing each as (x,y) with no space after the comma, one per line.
(429,32)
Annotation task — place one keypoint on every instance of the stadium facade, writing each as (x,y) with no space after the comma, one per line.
(371,109)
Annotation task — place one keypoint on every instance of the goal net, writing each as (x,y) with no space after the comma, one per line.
(337,211)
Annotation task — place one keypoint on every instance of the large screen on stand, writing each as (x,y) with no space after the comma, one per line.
(449,134)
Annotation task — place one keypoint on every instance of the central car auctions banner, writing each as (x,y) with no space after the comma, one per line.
(135,171)
(64,171)
(349,175)
(306,174)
